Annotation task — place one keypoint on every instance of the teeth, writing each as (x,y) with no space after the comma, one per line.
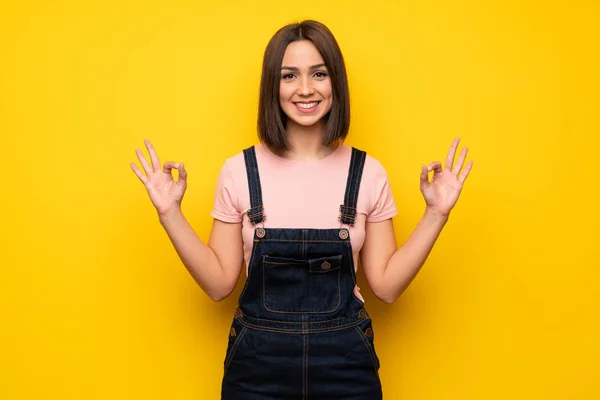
(307,105)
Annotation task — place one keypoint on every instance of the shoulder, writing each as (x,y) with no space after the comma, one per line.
(236,164)
(375,181)
(375,197)
(373,168)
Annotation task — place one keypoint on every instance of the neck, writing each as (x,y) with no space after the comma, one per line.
(306,142)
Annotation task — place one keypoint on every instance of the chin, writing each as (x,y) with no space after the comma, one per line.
(307,123)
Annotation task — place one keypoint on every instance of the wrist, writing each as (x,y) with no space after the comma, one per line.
(170,215)
(435,215)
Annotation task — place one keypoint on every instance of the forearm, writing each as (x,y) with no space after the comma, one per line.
(198,258)
(406,262)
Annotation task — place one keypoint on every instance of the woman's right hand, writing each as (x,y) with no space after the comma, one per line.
(166,193)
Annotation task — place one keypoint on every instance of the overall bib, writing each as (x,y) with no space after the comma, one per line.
(299,331)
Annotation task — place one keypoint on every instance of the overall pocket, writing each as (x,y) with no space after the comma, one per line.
(365,331)
(236,334)
(301,286)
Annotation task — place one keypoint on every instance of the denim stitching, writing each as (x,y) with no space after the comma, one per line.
(234,347)
(352,187)
(251,179)
(349,186)
(307,241)
(353,272)
(369,348)
(301,331)
(361,165)
(255,179)
(249,172)
(350,175)
(308,322)
(303,244)
(286,260)
(305,371)
(339,297)
(282,263)
(253,186)
(250,269)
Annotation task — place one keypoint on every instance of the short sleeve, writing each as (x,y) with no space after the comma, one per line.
(224,208)
(384,206)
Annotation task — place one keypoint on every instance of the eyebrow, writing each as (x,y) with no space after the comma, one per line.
(296,69)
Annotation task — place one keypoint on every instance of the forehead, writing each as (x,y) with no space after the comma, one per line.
(301,53)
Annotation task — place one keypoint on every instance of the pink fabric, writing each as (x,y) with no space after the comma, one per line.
(303,195)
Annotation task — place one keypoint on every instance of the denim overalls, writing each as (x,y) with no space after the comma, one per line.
(299,332)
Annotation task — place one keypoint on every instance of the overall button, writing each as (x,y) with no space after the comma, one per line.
(362,313)
(369,332)
(344,234)
(260,232)
(238,313)
(233,332)
(325,266)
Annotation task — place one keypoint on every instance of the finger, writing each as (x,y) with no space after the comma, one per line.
(143,161)
(182,181)
(461,160)
(436,167)
(452,154)
(424,175)
(139,173)
(153,156)
(168,166)
(463,176)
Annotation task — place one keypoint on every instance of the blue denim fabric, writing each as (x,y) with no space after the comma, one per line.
(299,331)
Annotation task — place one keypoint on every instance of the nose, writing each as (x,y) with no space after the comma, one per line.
(304,87)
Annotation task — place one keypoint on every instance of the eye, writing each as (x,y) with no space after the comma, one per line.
(287,76)
(320,74)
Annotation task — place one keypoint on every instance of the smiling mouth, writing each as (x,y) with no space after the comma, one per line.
(306,105)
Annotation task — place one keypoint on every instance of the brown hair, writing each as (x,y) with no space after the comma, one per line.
(271,118)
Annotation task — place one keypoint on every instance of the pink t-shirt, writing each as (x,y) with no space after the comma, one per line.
(313,190)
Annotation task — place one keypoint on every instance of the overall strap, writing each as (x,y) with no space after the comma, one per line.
(256,211)
(348,209)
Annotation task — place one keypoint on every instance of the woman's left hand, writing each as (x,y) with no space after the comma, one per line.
(442,192)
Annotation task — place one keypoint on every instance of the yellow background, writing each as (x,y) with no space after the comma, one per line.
(95,304)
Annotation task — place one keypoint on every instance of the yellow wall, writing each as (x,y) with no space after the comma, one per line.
(94,303)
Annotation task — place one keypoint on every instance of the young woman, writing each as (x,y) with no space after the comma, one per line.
(300,209)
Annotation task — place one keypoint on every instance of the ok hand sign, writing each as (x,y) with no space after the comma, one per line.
(166,193)
(441,194)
